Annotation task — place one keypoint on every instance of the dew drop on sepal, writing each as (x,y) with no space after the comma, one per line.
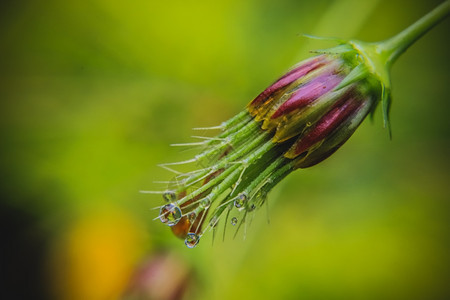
(192,240)
(205,203)
(169,196)
(251,207)
(239,203)
(170,214)
(213,222)
(192,216)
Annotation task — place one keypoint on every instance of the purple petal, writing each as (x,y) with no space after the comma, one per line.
(327,124)
(290,77)
(308,93)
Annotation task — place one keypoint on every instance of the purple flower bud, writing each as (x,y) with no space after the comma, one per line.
(313,103)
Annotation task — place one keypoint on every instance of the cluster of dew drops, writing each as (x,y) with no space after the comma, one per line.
(170,214)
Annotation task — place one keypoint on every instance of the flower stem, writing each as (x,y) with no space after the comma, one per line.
(396,45)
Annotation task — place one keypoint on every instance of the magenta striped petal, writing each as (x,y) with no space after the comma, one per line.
(290,77)
(308,93)
(328,123)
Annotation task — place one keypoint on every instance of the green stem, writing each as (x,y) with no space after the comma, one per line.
(396,45)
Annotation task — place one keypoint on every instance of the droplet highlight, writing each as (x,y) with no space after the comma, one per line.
(170,214)
(192,240)
(213,222)
(169,196)
(239,203)
(234,221)
(205,203)
(192,216)
(251,207)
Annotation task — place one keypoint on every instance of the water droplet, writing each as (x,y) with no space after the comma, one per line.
(251,208)
(239,203)
(234,221)
(169,196)
(308,124)
(170,214)
(213,221)
(192,240)
(192,217)
(205,203)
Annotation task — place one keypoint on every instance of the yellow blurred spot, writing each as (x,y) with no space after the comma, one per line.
(94,258)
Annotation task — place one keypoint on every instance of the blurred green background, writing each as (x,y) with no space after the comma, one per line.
(92,94)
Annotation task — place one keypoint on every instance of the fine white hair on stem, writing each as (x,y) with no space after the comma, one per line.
(188,144)
(170,169)
(152,192)
(220,127)
(207,138)
(179,162)
(165,182)
(236,184)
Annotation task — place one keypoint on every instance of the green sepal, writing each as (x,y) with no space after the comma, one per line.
(343,48)
(358,73)
(386,104)
(323,38)
(372,111)
(378,65)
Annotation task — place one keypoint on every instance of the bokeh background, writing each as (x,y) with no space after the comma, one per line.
(93,92)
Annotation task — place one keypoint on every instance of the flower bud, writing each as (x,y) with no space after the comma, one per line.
(298,121)
(317,105)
